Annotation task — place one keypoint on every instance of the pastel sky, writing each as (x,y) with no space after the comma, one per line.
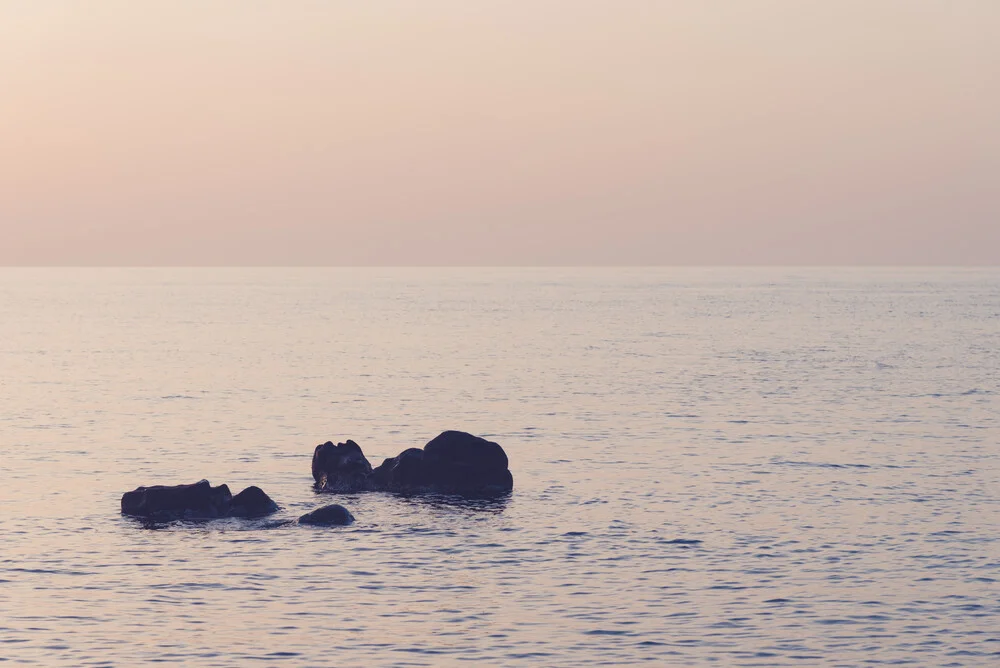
(499,132)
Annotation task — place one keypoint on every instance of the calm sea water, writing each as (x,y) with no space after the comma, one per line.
(732,467)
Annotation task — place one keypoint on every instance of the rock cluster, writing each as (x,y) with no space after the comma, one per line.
(452,463)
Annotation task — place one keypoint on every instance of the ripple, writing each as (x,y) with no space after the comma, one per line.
(746,487)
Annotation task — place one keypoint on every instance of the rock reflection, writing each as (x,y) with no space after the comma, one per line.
(456,502)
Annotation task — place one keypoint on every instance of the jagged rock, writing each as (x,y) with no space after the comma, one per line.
(252,502)
(341,468)
(162,502)
(332,515)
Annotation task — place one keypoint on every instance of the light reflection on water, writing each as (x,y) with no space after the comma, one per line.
(742,467)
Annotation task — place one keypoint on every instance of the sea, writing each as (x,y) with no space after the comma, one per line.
(712,466)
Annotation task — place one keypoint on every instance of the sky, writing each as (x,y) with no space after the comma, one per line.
(450,132)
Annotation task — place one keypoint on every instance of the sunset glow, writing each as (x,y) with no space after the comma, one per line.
(449,132)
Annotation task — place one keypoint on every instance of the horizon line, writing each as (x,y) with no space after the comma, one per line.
(501,266)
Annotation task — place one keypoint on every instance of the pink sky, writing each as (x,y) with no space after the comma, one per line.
(496,132)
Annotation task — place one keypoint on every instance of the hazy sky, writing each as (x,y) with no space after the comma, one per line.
(500,132)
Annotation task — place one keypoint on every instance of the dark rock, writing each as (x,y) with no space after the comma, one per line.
(453,463)
(341,468)
(197,501)
(404,470)
(252,502)
(161,502)
(332,515)
(457,448)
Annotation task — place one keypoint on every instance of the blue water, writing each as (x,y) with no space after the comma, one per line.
(738,467)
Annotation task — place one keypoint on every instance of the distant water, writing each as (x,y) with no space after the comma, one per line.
(711,467)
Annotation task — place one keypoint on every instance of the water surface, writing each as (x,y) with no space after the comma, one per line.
(735,467)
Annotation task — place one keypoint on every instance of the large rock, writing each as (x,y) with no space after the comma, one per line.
(332,515)
(341,468)
(453,463)
(197,501)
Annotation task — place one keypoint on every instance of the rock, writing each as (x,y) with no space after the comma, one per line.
(332,515)
(161,502)
(341,468)
(453,463)
(252,502)
(457,448)
(197,501)
(405,470)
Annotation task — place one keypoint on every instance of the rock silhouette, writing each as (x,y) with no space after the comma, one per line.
(341,467)
(454,462)
(252,502)
(195,501)
(332,515)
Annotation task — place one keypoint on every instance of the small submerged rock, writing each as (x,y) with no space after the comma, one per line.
(195,501)
(332,515)
(454,462)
